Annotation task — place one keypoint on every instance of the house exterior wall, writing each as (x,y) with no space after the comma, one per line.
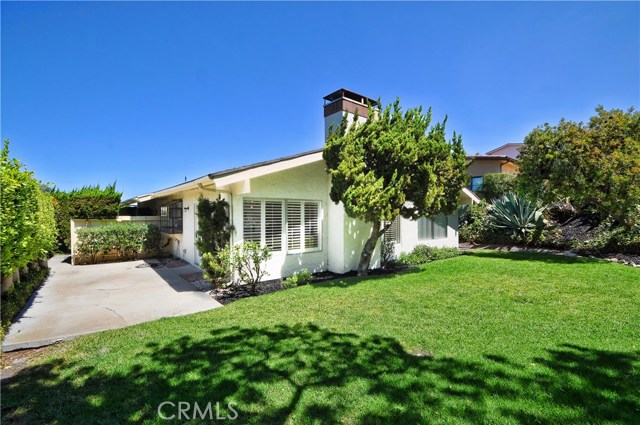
(482,167)
(409,235)
(342,238)
(509,167)
(510,151)
(334,120)
(488,166)
(309,182)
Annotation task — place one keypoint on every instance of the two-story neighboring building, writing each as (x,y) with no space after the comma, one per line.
(500,160)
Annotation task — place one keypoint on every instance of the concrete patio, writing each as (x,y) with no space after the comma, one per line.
(77,300)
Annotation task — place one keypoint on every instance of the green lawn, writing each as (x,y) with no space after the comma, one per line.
(482,338)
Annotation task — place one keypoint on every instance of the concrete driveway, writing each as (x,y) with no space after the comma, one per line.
(78,300)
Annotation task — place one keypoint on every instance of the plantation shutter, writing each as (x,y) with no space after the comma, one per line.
(311,225)
(440,227)
(252,220)
(425,228)
(392,233)
(273,225)
(294,225)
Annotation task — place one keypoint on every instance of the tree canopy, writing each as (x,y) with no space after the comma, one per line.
(595,165)
(392,164)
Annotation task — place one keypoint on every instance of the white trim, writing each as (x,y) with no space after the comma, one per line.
(472,196)
(267,169)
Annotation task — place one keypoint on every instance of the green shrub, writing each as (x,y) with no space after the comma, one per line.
(213,225)
(88,202)
(422,254)
(520,218)
(496,185)
(153,240)
(248,260)
(17,296)
(475,226)
(298,279)
(217,266)
(126,239)
(613,240)
(27,231)
(387,253)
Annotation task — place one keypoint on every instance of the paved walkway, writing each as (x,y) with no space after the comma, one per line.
(78,300)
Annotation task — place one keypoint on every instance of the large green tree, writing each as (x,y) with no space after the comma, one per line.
(392,164)
(595,165)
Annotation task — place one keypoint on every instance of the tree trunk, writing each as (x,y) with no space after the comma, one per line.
(7,282)
(369,247)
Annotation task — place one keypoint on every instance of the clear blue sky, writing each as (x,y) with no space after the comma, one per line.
(148,93)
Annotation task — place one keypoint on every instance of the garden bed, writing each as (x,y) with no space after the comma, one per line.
(236,292)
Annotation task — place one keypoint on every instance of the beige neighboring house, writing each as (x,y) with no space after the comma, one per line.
(284,204)
(500,160)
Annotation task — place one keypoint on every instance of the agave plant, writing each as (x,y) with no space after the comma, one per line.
(520,217)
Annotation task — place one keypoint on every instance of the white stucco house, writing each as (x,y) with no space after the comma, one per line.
(284,203)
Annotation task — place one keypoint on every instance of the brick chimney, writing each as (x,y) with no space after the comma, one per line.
(342,102)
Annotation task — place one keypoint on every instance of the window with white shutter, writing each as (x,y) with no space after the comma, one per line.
(435,228)
(392,233)
(273,225)
(440,227)
(294,225)
(425,229)
(311,225)
(283,225)
(252,221)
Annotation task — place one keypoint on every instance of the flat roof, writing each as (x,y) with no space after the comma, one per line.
(492,157)
(351,95)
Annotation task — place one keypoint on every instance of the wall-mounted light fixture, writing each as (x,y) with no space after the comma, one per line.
(186,208)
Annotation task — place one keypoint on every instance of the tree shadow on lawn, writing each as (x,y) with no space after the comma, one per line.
(306,374)
(351,280)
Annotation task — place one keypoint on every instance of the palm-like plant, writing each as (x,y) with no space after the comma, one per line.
(520,217)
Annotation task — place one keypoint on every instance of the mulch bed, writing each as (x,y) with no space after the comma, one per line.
(234,293)
(14,361)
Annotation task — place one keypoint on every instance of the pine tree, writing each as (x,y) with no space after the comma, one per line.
(394,164)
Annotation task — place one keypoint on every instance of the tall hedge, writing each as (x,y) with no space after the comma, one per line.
(27,223)
(89,202)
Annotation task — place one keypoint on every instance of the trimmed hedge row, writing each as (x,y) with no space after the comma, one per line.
(89,202)
(127,240)
(422,254)
(27,225)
